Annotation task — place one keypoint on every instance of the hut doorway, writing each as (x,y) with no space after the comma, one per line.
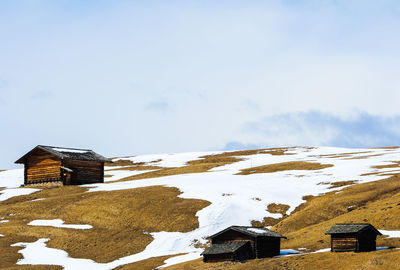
(67,178)
(68,175)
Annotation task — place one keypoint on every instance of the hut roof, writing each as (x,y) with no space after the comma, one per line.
(252,231)
(67,153)
(227,247)
(347,228)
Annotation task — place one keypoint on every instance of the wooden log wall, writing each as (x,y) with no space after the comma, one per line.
(42,167)
(344,243)
(218,257)
(85,172)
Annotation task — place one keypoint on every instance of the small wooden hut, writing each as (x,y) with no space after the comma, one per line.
(66,166)
(353,237)
(239,243)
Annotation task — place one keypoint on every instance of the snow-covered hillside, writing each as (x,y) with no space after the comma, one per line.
(235,199)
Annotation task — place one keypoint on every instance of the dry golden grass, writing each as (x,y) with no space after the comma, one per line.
(269,221)
(395,164)
(121,162)
(387,147)
(278,208)
(135,168)
(384,259)
(374,202)
(364,157)
(285,166)
(122,217)
(271,151)
(340,183)
(148,264)
(196,166)
(34,267)
(120,220)
(343,155)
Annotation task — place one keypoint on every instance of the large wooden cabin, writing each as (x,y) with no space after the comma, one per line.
(353,237)
(238,243)
(66,166)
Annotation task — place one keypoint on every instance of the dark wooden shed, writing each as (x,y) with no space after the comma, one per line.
(229,251)
(67,166)
(238,243)
(353,237)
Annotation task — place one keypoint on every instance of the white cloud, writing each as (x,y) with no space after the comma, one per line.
(322,129)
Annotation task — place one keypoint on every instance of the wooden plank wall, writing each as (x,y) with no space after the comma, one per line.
(41,166)
(85,171)
(367,242)
(244,253)
(267,247)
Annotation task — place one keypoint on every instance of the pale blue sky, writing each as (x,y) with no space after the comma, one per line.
(134,77)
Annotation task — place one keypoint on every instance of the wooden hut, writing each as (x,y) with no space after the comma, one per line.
(353,237)
(66,166)
(239,243)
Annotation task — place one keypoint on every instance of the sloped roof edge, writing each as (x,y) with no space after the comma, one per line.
(346,228)
(245,230)
(223,248)
(80,154)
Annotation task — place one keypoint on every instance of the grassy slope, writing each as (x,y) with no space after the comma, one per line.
(120,217)
(384,259)
(204,164)
(120,220)
(376,202)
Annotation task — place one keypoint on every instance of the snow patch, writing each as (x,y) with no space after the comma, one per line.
(390,234)
(69,150)
(37,253)
(58,223)
(4,221)
(321,250)
(180,259)
(13,192)
(12,178)
(256,230)
(119,174)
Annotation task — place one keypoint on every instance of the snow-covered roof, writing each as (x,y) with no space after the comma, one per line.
(252,231)
(67,153)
